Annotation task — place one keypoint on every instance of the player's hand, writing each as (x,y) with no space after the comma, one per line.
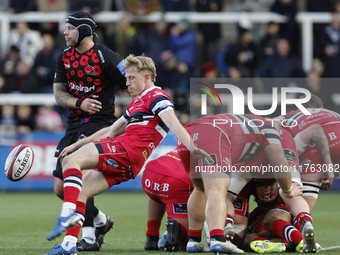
(91,105)
(201,154)
(326,183)
(67,150)
(297,189)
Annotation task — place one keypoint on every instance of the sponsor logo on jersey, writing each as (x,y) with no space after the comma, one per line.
(101,56)
(84,120)
(290,155)
(112,163)
(81,88)
(158,93)
(180,208)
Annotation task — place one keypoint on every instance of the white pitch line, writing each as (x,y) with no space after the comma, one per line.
(331,248)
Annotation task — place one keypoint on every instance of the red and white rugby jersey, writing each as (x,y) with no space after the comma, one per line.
(247,134)
(169,165)
(297,121)
(145,129)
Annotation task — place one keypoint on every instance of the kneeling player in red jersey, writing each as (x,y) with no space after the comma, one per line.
(300,210)
(317,138)
(229,139)
(169,187)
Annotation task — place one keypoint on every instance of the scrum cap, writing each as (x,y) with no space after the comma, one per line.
(84,23)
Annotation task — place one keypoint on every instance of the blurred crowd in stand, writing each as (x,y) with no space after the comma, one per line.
(181,50)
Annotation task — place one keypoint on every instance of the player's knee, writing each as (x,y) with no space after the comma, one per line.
(59,191)
(268,222)
(67,161)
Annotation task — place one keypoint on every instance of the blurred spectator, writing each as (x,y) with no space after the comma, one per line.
(327,47)
(26,79)
(45,65)
(113,5)
(8,78)
(4,4)
(319,86)
(175,5)
(283,64)
(211,31)
(237,77)
(122,40)
(8,134)
(209,70)
(51,6)
(88,6)
(183,43)
(142,7)
(19,6)
(28,41)
(180,99)
(243,53)
(48,120)
(251,6)
(269,40)
(157,41)
(152,43)
(290,29)
(25,119)
(319,6)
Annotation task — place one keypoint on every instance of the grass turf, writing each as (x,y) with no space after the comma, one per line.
(26,219)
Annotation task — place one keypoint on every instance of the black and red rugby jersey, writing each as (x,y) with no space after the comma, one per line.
(97,71)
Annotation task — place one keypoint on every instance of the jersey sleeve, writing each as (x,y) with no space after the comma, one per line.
(271,135)
(126,116)
(60,72)
(115,69)
(161,105)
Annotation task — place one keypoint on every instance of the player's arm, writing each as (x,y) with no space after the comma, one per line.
(313,134)
(276,157)
(65,99)
(170,120)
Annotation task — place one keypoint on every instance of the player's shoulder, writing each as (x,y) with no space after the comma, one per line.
(107,55)
(156,92)
(66,49)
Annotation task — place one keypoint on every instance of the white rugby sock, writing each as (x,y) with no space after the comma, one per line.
(88,234)
(67,209)
(69,242)
(100,219)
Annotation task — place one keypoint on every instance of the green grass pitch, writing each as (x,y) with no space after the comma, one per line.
(26,219)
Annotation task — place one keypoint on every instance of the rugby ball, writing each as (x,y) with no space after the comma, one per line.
(19,162)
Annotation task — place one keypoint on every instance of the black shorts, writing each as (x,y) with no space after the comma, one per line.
(67,140)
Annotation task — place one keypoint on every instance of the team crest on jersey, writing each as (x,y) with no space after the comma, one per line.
(305,163)
(112,163)
(145,155)
(302,125)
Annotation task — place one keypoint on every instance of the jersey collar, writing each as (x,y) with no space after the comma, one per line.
(148,90)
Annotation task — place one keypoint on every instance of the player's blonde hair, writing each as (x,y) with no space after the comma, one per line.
(142,63)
